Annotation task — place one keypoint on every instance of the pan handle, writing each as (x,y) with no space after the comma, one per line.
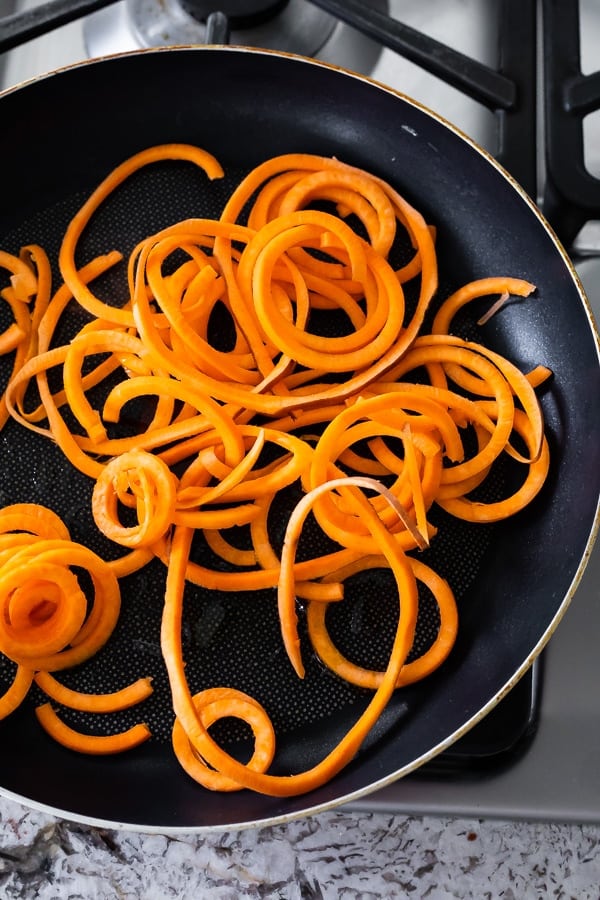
(23,26)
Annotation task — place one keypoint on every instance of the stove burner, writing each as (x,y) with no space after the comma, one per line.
(239,13)
(293,26)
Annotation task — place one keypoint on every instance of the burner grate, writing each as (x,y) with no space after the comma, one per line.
(572,193)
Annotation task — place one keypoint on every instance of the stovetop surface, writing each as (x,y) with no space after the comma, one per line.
(552,773)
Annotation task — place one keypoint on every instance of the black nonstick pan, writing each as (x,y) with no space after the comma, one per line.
(61,135)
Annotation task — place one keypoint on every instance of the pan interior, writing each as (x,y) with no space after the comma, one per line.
(508,582)
(229,639)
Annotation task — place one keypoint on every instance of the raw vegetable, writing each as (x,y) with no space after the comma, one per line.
(374,425)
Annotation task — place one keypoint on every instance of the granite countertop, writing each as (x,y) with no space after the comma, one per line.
(337,854)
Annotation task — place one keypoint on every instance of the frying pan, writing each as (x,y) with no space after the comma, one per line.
(61,135)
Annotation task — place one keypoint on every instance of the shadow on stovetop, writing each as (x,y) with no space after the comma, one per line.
(499,740)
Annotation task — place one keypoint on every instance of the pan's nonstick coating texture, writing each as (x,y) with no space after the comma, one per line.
(511,580)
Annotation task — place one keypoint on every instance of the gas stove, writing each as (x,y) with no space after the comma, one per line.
(518,78)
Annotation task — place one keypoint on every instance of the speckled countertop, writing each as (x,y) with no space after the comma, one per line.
(339,854)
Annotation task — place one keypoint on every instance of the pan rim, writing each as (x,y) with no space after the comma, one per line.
(569,595)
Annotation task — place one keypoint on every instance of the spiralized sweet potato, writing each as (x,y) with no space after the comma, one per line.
(377,423)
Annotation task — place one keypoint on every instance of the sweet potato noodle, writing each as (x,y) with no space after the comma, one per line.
(377,420)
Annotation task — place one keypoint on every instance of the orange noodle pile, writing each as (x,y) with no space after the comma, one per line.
(378,423)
